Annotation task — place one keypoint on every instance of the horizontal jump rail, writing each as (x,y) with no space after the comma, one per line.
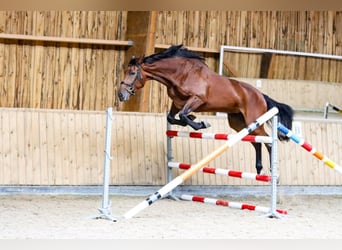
(199,135)
(220,171)
(231,204)
(65,39)
(309,148)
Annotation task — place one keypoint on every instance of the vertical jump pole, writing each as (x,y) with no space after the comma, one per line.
(326,110)
(169,158)
(105,210)
(196,167)
(274,169)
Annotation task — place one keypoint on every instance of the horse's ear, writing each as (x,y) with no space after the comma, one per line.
(133,60)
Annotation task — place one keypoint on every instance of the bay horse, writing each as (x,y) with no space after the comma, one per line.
(194,87)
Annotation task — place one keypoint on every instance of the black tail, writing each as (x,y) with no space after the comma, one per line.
(285,115)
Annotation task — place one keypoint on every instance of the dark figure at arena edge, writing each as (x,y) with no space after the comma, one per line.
(194,87)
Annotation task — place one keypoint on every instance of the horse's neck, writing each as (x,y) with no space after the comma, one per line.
(158,74)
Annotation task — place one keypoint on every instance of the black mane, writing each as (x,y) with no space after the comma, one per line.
(175,50)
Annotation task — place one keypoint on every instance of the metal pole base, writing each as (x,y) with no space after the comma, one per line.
(274,215)
(105,213)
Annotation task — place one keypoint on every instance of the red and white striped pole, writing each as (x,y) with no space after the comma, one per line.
(231,204)
(213,136)
(220,171)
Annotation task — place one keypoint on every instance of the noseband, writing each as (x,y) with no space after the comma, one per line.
(130,86)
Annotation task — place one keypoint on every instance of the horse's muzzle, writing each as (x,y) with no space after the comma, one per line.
(123,95)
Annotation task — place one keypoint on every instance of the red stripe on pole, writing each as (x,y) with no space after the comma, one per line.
(250,138)
(307,146)
(171,133)
(221,136)
(198,198)
(195,135)
(247,206)
(222,203)
(281,211)
(235,174)
(184,166)
(263,177)
(209,170)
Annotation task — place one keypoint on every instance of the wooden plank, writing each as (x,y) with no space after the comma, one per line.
(56,39)
(20,161)
(27,140)
(78,134)
(35,137)
(2,137)
(160,153)
(148,147)
(150,42)
(64,149)
(58,148)
(72,146)
(100,130)
(86,141)
(155,145)
(6,148)
(93,173)
(43,148)
(127,168)
(64,63)
(50,122)
(265,65)
(137,144)
(115,150)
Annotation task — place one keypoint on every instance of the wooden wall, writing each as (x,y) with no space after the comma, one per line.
(66,147)
(304,31)
(35,74)
(85,77)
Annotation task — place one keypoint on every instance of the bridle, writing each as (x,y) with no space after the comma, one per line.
(130,86)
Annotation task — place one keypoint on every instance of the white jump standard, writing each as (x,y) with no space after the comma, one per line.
(196,167)
(106,210)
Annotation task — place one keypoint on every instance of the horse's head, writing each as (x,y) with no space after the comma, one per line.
(133,79)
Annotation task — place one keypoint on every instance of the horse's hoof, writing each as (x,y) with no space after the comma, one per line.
(205,124)
(261,172)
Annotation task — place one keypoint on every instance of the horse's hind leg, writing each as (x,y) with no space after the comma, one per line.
(258,157)
(237,122)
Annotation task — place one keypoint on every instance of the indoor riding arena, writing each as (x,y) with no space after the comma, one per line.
(98,116)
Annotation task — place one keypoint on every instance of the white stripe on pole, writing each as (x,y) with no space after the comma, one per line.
(196,167)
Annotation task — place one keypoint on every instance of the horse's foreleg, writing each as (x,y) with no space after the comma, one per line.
(192,104)
(171,116)
(258,157)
